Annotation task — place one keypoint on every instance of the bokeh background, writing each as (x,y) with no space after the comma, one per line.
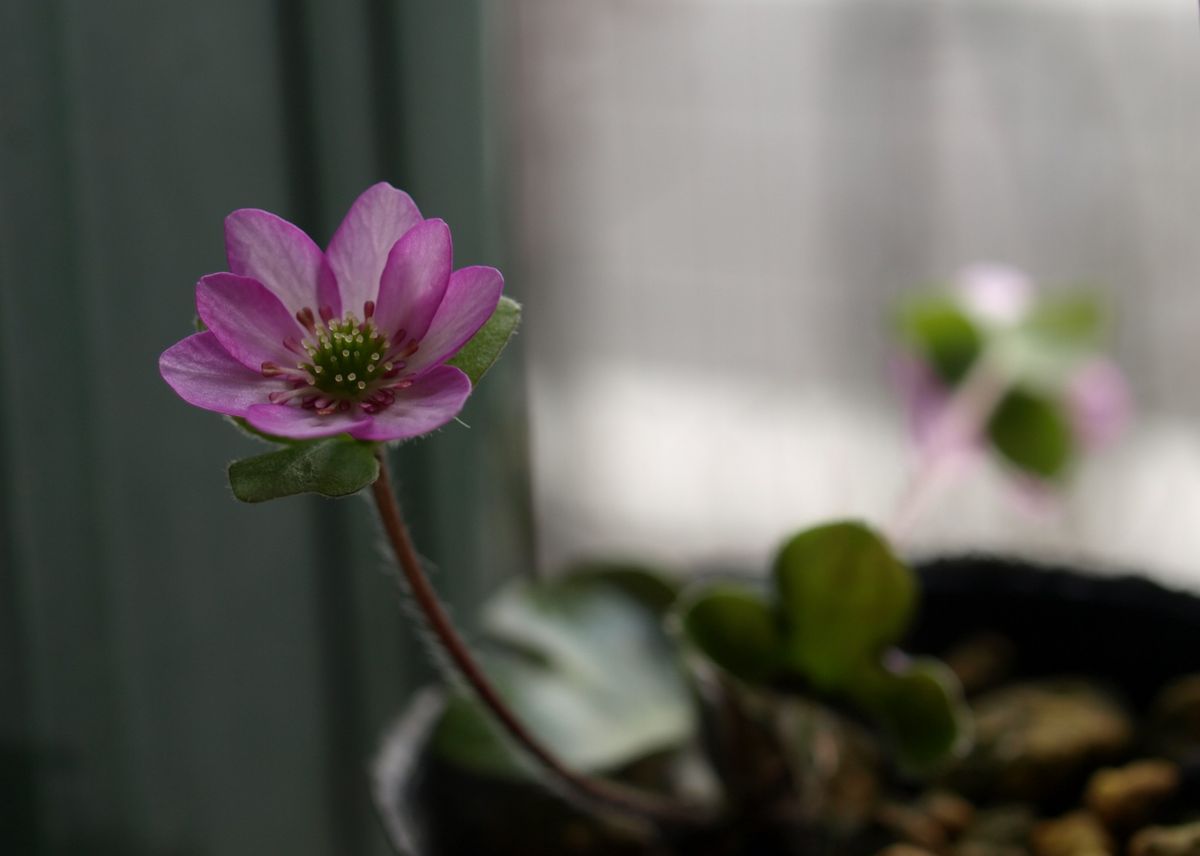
(708,207)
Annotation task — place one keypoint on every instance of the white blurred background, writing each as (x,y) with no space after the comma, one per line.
(718,201)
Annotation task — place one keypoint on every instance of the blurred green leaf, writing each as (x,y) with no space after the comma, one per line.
(482,351)
(1075,319)
(1046,348)
(587,668)
(921,708)
(333,467)
(1033,433)
(843,597)
(941,332)
(735,628)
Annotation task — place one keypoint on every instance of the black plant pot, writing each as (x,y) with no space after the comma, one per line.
(1126,631)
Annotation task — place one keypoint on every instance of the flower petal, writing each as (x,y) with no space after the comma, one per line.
(470,300)
(360,246)
(284,420)
(247,319)
(1099,402)
(280,256)
(434,399)
(204,374)
(414,279)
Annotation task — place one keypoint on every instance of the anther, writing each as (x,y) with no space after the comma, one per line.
(270,369)
(369,309)
(399,337)
(326,313)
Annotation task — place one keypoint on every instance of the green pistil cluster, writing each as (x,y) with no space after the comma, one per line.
(347,357)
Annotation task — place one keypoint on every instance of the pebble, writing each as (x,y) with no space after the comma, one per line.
(1167,841)
(951,811)
(1079,833)
(905,850)
(981,662)
(999,831)
(1126,797)
(1033,738)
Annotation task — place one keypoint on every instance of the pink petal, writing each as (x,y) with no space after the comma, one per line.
(204,374)
(414,280)
(280,256)
(1099,402)
(434,399)
(247,319)
(284,420)
(360,246)
(470,300)
(995,293)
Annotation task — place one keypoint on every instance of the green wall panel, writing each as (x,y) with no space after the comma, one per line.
(181,674)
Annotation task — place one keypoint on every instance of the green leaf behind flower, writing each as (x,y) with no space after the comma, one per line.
(921,707)
(483,349)
(333,467)
(737,629)
(844,598)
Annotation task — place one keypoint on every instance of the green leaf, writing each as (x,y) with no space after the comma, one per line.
(587,668)
(333,467)
(1033,433)
(736,629)
(483,349)
(844,598)
(1073,319)
(921,708)
(938,328)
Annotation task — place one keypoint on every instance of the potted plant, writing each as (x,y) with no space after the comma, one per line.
(623,709)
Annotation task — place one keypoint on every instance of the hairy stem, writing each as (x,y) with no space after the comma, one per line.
(649,806)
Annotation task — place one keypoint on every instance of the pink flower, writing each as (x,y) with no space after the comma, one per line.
(355,340)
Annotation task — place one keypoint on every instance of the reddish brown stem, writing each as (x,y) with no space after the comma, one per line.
(652,807)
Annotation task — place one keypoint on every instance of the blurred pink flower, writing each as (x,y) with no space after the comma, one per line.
(1099,402)
(303,343)
(995,294)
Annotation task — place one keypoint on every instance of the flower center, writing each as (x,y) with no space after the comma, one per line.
(346,356)
(350,363)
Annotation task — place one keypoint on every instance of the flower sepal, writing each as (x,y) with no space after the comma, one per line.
(483,349)
(333,467)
